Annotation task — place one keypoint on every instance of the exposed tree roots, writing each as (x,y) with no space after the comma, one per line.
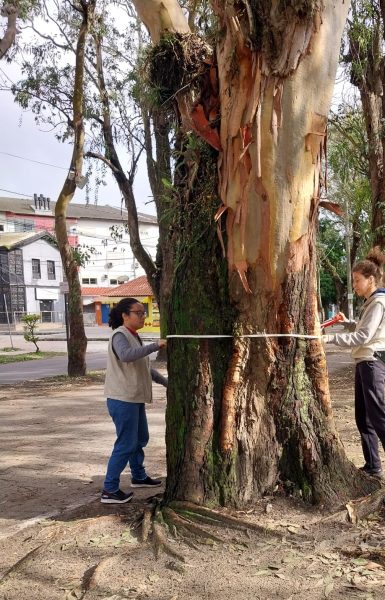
(190,524)
(359,509)
(362,507)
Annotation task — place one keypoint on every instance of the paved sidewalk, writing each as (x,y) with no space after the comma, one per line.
(54,446)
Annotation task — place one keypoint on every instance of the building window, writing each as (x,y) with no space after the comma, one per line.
(36,273)
(89,281)
(24,225)
(51,269)
(113,282)
(1,227)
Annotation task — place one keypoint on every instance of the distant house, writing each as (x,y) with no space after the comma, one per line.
(30,275)
(97,302)
(90,226)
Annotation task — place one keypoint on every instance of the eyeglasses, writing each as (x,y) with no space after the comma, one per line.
(140,313)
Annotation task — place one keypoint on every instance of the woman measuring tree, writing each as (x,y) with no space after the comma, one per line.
(367,341)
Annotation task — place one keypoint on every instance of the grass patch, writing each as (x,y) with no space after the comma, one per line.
(9,349)
(28,356)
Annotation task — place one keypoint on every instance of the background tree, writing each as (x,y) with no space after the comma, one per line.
(348,187)
(30,329)
(332,256)
(11,11)
(77,342)
(364,57)
(118,116)
(243,413)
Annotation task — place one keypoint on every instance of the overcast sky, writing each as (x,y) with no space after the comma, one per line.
(20,136)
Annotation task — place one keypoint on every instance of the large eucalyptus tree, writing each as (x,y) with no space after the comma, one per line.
(245,412)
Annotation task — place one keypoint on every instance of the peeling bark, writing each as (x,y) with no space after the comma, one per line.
(161,17)
(269,402)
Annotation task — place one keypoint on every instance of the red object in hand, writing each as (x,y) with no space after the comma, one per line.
(332,321)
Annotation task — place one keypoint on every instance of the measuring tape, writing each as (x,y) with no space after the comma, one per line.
(248,335)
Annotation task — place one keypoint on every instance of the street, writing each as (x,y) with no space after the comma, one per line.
(31,370)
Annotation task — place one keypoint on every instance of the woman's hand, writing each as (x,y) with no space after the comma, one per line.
(343,317)
(162,343)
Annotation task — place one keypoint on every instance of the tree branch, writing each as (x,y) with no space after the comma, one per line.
(11,12)
(109,164)
(125,183)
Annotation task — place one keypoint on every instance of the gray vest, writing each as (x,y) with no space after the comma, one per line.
(130,382)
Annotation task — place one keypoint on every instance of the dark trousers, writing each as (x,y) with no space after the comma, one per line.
(370,409)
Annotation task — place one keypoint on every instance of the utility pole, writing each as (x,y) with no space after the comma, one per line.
(9,324)
(348,264)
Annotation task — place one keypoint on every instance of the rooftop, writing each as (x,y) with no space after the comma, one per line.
(25,206)
(136,287)
(16,240)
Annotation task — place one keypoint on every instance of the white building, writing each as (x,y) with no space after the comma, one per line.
(90,228)
(30,276)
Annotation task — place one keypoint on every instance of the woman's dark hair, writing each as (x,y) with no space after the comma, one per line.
(115,318)
(371,265)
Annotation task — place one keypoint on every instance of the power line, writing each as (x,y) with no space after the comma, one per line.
(17,193)
(38,162)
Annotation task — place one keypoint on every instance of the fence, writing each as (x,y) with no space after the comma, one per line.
(46,316)
(48,319)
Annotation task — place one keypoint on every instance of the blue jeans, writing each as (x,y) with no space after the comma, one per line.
(132,436)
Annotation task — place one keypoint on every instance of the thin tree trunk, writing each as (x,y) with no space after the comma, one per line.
(368,75)
(77,344)
(159,170)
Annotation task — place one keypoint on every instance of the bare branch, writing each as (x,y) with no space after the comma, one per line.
(109,164)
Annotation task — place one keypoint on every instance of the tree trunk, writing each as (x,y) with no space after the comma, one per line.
(368,74)
(11,13)
(77,343)
(159,171)
(339,285)
(243,413)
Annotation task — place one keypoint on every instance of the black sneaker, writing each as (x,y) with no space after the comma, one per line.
(147,482)
(373,471)
(118,497)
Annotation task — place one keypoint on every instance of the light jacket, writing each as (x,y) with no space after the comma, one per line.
(369,334)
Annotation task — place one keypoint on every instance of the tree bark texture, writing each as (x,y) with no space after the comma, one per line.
(77,343)
(243,413)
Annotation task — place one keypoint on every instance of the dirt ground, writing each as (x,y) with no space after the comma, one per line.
(58,542)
